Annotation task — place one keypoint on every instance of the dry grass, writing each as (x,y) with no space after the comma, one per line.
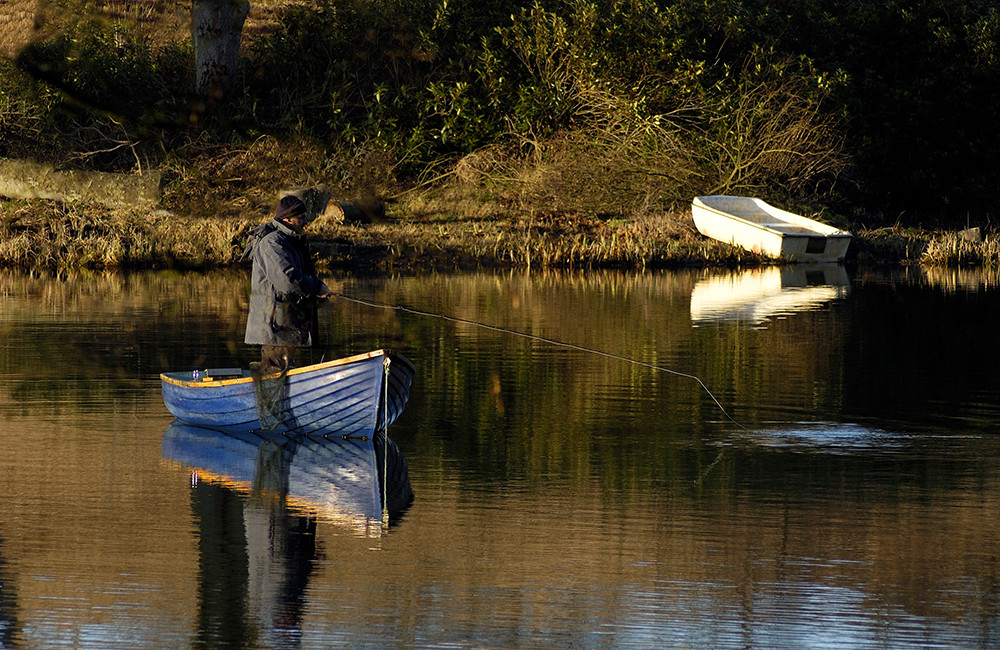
(952,250)
(541,240)
(48,235)
(211,180)
(426,234)
(889,245)
(493,209)
(45,235)
(165,21)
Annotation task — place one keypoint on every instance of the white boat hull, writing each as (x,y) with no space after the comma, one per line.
(762,228)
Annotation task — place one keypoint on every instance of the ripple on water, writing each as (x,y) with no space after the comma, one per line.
(831,437)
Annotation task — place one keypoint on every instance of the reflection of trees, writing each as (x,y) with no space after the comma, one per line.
(85,338)
(797,361)
(511,408)
(514,407)
(8,604)
(928,357)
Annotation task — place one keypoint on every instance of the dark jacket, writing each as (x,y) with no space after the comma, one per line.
(283,288)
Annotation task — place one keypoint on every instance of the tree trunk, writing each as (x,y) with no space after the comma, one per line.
(216,30)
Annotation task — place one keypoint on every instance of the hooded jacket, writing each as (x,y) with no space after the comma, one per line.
(283,288)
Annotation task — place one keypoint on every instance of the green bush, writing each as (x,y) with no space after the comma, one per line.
(100,95)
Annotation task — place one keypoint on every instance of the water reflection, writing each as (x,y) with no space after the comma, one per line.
(337,479)
(565,498)
(257,500)
(8,603)
(962,279)
(828,437)
(758,295)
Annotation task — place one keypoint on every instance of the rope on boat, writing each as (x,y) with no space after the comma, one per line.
(543,339)
(385,440)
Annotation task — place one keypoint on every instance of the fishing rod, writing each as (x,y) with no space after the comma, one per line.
(542,339)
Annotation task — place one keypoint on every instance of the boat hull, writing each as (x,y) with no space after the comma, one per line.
(762,228)
(356,395)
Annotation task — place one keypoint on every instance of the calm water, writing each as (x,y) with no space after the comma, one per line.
(843,492)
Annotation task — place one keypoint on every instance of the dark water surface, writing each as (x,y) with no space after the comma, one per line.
(846,493)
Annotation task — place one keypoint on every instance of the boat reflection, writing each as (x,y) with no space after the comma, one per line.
(337,479)
(758,295)
(257,499)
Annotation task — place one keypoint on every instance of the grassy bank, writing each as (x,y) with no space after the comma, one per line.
(531,214)
(422,235)
(500,212)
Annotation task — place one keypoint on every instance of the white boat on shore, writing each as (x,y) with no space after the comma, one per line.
(762,228)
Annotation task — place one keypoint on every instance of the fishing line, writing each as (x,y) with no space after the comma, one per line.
(542,339)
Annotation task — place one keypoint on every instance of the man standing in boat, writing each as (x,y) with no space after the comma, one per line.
(284,288)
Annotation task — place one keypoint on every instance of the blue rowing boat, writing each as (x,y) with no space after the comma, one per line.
(353,396)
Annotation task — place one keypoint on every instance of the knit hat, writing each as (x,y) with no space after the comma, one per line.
(289,206)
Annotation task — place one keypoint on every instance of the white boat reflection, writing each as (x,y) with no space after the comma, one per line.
(336,479)
(758,295)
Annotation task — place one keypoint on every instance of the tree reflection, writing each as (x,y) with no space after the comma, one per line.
(8,604)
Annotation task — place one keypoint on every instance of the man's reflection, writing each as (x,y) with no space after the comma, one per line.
(256,553)
(255,559)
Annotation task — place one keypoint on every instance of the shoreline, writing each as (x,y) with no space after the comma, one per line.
(49,236)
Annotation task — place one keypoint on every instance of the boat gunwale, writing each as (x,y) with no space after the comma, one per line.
(214,383)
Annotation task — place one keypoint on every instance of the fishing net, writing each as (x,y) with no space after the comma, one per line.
(271,391)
